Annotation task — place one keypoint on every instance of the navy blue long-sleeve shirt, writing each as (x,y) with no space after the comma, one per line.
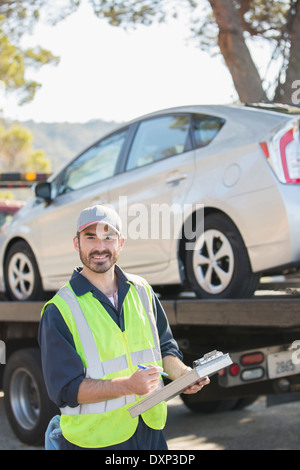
(62,366)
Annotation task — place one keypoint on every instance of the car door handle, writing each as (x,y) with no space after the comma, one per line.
(177,177)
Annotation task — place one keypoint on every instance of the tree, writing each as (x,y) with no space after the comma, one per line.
(230,25)
(22,15)
(14,61)
(16,17)
(16,151)
(236,54)
(276,22)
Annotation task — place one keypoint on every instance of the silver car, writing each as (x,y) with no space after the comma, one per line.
(209,197)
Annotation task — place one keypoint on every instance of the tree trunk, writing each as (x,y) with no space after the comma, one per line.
(285,91)
(236,54)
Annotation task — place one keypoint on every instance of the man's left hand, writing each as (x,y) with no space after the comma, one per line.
(197,386)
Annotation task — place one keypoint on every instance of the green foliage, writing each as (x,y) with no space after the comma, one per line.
(36,161)
(16,151)
(22,15)
(274,21)
(16,18)
(4,194)
(129,12)
(265,18)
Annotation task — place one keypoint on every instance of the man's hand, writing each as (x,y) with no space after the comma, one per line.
(144,381)
(176,368)
(197,386)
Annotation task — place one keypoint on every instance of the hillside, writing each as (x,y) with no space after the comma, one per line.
(63,141)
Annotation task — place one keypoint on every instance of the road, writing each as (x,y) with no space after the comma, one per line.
(254,428)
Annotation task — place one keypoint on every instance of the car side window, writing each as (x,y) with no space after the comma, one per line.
(94,165)
(205,129)
(159,138)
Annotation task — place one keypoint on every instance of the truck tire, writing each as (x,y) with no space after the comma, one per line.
(193,403)
(27,405)
(244,402)
(218,267)
(22,278)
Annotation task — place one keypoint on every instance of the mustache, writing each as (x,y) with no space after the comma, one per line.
(100,253)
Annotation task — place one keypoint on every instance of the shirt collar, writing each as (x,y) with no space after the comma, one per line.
(81,285)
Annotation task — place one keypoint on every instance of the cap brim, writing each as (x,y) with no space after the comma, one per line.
(83,227)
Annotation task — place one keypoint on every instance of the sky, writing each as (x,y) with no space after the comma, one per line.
(110,74)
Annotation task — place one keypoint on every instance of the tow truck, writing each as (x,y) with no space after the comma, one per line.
(261,334)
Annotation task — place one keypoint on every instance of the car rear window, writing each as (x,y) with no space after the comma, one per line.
(205,128)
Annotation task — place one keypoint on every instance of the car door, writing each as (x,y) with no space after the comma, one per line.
(83,183)
(151,189)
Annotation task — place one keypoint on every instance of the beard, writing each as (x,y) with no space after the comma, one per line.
(93,262)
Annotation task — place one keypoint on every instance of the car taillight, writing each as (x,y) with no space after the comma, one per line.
(283,153)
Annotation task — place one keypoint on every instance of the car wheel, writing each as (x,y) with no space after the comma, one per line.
(218,266)
(22,279)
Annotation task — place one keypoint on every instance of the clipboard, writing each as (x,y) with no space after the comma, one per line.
(208,365)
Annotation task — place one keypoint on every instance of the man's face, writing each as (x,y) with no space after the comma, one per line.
(99,247)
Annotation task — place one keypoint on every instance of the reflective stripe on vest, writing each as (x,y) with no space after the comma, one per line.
(97,369)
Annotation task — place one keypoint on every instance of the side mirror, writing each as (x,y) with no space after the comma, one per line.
(43,190)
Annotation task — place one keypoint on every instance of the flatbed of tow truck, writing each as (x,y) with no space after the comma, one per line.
(255,312)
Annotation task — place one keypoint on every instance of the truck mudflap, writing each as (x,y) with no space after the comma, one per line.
(277,363)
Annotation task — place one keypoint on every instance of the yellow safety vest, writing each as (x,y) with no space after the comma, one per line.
(107,353)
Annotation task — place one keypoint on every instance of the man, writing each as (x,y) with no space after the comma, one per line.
(94,334)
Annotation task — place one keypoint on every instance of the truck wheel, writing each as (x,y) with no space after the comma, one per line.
(206,407)
(244,402)
(26,402)
(219,266)
(22,279)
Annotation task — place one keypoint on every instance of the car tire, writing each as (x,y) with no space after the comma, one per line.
(27,405)
(218,266)
(22,278)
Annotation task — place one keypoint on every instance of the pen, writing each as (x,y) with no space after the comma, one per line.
(161,373)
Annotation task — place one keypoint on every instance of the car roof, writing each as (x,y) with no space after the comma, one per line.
(274,112)
(282,111)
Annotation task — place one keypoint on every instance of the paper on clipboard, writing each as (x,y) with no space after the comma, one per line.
(208,365)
